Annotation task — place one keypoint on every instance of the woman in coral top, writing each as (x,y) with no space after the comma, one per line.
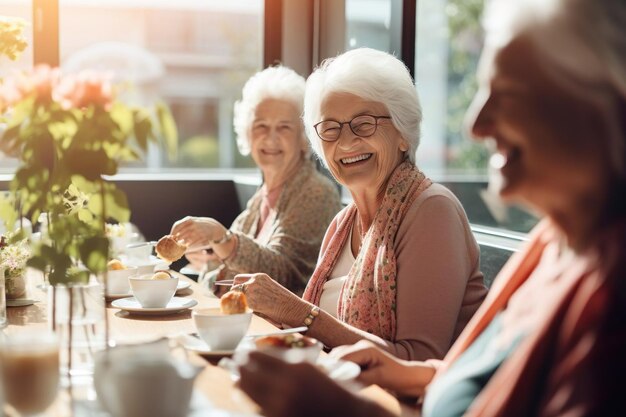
(550,338)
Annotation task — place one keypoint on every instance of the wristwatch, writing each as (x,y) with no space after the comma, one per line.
(227,237)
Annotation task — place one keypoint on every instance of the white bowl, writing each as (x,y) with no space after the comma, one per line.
(145,266)
(153,293)
(117,280)
(139,254)
(221,331)
(308,353)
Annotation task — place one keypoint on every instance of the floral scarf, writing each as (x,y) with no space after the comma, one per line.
(368,297)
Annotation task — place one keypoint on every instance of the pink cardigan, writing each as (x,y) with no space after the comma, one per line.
(439,283)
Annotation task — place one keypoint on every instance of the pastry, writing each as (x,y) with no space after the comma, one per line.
(169,249)
(233,302)
(115,265)
(161,275)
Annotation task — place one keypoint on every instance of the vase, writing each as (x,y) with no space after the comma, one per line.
(15,284)
(76,314)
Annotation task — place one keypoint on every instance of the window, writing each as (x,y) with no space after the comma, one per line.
(448,43)
(195,55)
(368,23)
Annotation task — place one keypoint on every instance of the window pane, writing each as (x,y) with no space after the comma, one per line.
(367,24)
(448,43)
(193,54)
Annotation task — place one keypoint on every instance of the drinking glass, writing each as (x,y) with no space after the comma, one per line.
(29,371)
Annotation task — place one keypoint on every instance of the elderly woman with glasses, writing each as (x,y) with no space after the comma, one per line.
(281,229)
(399,266)
(551,336)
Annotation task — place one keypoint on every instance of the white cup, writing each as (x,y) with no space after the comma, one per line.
(221,331)
(144,381)
(117,280)
(145,266)
(153,293)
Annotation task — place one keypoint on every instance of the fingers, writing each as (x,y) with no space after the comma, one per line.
(181,225)
(241,278)
(360,352)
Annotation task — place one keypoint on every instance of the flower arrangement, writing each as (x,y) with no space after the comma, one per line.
(13,258)
(12,42)
(68,133)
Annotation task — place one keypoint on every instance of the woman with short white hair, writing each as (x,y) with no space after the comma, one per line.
(282,227)
(399,266)
(551,336)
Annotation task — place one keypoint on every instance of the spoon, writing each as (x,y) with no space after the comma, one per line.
(140,244)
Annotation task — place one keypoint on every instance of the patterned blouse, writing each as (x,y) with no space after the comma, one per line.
(288,253)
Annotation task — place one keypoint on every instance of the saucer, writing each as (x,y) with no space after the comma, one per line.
(177,304)
(182,285)
(343,372)
(197,345)
(20,302)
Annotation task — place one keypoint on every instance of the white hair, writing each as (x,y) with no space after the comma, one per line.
(278,83)
(582,44)
(373,76)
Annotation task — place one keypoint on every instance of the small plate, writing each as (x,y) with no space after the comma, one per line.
(182,285)
(197,345)
(21,302)
(177,304)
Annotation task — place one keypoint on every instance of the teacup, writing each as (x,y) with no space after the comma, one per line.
(117,280)
(221,331)
(144,380)
(145,266)
(139,254)
(153,293)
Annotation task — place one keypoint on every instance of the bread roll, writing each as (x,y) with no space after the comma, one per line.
(233,302)
(169,249)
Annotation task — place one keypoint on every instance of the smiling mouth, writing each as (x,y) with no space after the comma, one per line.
(271,152)
(355,159)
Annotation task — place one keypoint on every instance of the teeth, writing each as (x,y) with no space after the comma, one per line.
(356,158)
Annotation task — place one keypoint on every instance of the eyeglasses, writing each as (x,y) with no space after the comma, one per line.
(363,126)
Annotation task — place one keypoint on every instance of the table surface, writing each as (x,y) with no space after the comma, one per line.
(214,382)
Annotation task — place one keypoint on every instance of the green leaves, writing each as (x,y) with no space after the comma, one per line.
(94,253)
(65,155)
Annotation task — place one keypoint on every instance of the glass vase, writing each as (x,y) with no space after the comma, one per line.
(77,316)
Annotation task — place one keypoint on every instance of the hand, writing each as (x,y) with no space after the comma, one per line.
(287,390)
(198,232)
(199,259)
(269,298)
(408,378)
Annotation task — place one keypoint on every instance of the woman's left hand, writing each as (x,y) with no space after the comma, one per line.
(197,232)
(287,390)
(269,298)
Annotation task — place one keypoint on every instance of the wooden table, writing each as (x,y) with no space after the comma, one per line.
(214,382)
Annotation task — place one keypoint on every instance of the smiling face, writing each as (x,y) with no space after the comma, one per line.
(551,154)
(361,164)
(276,137)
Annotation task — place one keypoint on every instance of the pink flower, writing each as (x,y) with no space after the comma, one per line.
(39,83)
(85,89)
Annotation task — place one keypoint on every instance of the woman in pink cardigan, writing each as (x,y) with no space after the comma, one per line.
(399,266)
(550,339)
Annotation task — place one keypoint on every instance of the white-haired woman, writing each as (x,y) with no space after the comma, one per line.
(550,338)
(399,266)
(281,229)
